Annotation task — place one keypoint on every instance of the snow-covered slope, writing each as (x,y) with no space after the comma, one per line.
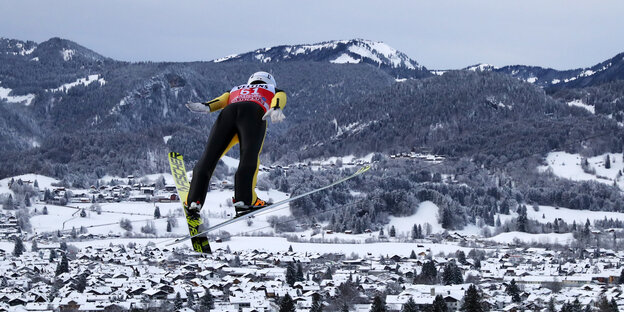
(5,95)
(568,166)
(82,81)
(354,51)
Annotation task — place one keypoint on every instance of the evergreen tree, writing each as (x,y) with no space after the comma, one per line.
(52,255)
(291,274)
(513,291)
(521,221)
(177,302)
(607,162)
(603,304)
(35,246)
(614,305)
(63,266)
(551,305)
(168,226)
(472,301)
(415,232)
(328,274)
(287,304)
(83,213)
(317,305)
(439,305)
(9,204)
(409,306)
(429,273)
(190,298)
(378,304)
(621,278)
(392,231)
(45,210)
(299,275)
(156,213)
(576,306)
(452,274)
(461,256)
(207,301)
(412,255)
(19,248)
(81,283)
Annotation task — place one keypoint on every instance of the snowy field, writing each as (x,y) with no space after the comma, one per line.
(275,244)
(427,212)
(568,166)
(140,213)
(549,238)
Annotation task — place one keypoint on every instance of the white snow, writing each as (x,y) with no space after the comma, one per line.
(262,58)
(531,79)
(82,81)
(23,99)
(43,181)
(547,214)
(344,59)
(364,52)
(580,103)
(225,58)
(230,162)
(587,73)
(549,238)
(344,159)
(390,53)
(68,54)
(482,67)
(274,244)
(438,72)
(400,79)
(555,81)
(167,138)
(427,212)
(568,166)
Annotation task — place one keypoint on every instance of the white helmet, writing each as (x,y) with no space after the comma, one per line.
(262,76)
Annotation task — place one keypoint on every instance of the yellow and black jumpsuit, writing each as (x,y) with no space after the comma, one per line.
(240,121)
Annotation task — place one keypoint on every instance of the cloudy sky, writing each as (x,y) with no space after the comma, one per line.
(440,34)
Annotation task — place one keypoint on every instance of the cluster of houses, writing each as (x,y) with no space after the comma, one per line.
(420,156)
(118,193)
(9,227)
(129,277)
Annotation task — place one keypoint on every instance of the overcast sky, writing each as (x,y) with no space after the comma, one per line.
(438,34)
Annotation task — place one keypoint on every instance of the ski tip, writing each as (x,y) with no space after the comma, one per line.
(175,155)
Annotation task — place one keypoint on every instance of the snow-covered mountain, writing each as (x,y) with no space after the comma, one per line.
(53,50)
(609,70)
(355,51)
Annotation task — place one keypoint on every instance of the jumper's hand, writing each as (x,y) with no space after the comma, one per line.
(198,107)
(275,114)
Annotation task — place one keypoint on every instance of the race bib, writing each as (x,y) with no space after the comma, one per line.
(259,93)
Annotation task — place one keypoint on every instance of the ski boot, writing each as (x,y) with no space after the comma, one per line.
(193,210)
(242,209)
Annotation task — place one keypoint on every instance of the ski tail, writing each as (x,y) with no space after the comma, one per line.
(280,203)
(178,170)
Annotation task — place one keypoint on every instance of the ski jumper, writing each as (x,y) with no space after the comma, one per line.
(240,121)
